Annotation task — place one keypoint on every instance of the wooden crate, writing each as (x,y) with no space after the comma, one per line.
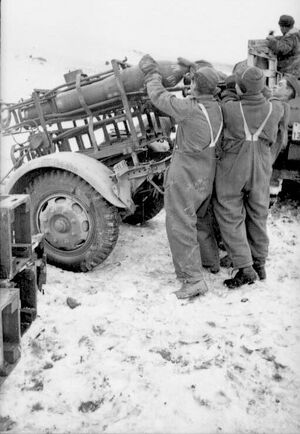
(258,47)
(261,56)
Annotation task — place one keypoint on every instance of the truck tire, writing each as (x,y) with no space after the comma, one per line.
(81,228)
(149,202)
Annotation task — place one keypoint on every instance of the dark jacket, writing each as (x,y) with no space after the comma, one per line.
(287,49)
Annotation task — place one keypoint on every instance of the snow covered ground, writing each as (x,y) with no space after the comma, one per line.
(131,358)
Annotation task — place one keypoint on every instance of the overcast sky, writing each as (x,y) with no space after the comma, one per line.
(216,30)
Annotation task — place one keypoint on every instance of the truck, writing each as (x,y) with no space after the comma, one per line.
(90,153)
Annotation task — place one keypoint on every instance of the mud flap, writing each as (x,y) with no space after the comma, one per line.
(122,189)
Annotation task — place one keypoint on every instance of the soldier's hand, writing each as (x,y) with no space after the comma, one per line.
(186,63)
(148,65)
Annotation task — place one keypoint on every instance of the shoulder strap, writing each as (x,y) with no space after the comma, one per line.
(254,137)
(212,140)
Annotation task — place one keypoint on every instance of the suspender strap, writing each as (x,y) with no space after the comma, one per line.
(254,137)
(212,140)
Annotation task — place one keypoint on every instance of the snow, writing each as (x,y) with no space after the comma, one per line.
(132,358)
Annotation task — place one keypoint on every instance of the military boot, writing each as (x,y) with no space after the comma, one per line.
(260,270)
(226,262)
(189,290)
(214,269)
(243,276)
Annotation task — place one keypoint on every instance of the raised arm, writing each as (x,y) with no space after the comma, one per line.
(165,101)
(281,45)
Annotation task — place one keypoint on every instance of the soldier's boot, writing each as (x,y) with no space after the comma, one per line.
(260,269)
(189,290)
(226,262)
(244,276)
(214,269)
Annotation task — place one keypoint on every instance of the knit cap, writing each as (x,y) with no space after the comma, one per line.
(230,81)
(206,79)
(251,80)
(286,21)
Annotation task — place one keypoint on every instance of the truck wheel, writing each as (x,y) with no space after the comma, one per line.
(149,202)
(290,190)
(80,227)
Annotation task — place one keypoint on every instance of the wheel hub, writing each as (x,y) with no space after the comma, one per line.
(62,225)
(65,222)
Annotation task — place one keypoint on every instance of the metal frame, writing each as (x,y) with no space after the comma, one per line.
(47,133)
(22,274)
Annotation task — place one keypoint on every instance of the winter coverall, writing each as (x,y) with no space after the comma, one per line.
(243,175)
(190,179)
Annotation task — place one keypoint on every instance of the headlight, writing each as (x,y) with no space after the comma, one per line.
(5,116)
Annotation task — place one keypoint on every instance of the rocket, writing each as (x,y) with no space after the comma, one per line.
(100,91)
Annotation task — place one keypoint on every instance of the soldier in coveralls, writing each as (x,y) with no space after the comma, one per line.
(251,127)
(191,174)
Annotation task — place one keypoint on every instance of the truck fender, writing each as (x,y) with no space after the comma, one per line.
(89,169)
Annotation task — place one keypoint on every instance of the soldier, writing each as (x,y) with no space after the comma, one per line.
(191,174)
(287,91)
(287,88)
(287,46)
(251,126)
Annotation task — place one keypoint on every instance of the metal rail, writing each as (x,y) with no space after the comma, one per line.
(50,132)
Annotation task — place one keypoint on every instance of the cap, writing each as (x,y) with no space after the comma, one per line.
(251,80)
(206,79)
(286,21)
(230,81)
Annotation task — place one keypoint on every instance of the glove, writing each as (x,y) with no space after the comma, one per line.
(148,65)
(186,63)
(189,68)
